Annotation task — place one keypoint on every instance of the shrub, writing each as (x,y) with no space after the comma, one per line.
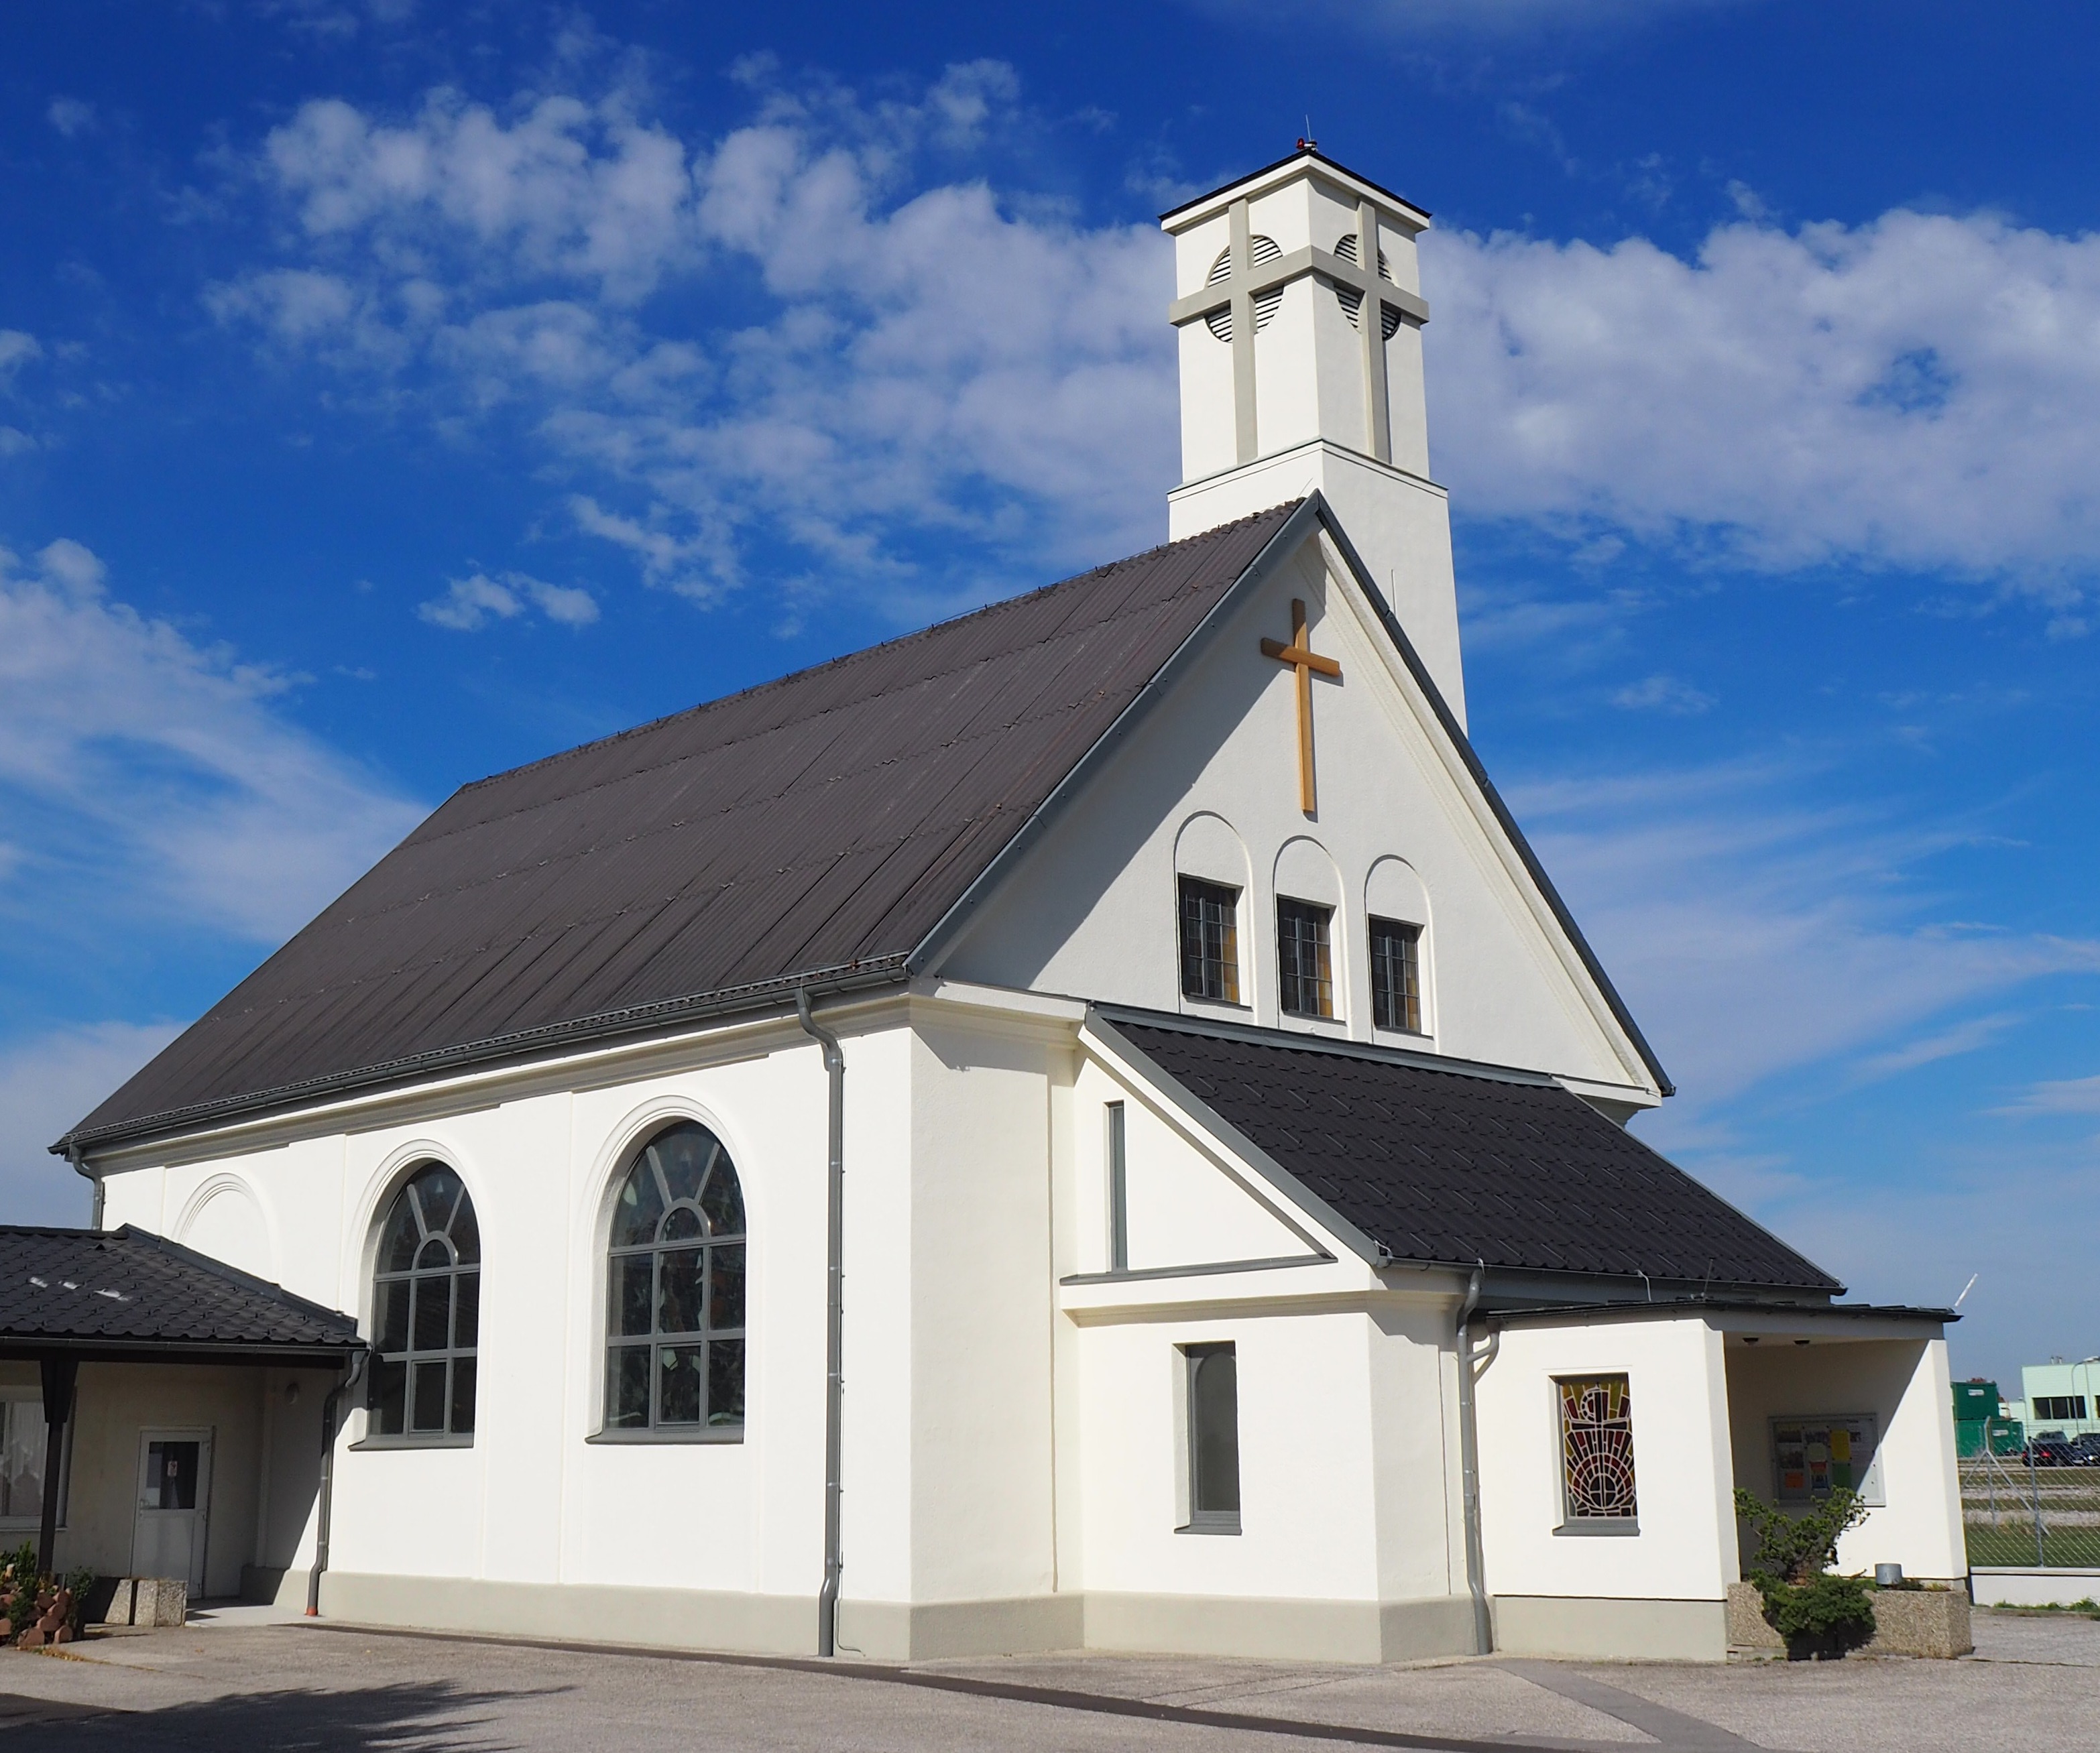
(1818,1613)
(34,1606)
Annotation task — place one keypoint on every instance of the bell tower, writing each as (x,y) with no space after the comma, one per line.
(1299,316)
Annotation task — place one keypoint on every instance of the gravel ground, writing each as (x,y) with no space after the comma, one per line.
(238,1681)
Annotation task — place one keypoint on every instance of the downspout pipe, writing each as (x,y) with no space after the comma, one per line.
(834,1068)
(59,1375)
(330,1407)
(1469,1463)
(80,1168)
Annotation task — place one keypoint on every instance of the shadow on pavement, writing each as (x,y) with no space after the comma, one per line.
(418,1717)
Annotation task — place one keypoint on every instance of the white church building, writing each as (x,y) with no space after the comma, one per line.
(1087,1126)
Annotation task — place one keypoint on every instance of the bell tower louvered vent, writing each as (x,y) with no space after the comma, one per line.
(1260,251)
(1351,301)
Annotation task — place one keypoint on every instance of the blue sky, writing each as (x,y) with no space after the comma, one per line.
(391,393)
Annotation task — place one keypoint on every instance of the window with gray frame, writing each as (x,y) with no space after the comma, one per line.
(1210,941)
(1397,975)
(1304,958)
(427,1312)
(674,1347)
(1119,1189)
(1214,1439)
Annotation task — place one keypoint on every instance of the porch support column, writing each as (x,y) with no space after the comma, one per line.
(59,1374)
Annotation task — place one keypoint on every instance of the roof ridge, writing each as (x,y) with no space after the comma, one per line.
(1003,605)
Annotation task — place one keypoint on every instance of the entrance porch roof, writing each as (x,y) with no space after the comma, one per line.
(125,1297)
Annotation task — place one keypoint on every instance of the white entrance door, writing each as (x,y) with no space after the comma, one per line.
(175,1490)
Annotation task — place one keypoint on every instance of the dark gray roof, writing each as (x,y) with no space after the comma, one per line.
(1457,1164)
(125,1293)
(816,828)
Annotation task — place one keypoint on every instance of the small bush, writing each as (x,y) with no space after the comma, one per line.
(1818,1613)
(34,1605)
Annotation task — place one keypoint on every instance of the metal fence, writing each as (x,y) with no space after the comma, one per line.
(2020,1510)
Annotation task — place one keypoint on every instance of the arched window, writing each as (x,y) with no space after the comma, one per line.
(426,1311)
(674,1330)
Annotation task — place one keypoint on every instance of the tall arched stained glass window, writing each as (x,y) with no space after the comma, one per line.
(427,1312)
(675,1326)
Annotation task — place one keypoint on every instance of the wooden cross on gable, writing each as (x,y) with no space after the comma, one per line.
(1308,663)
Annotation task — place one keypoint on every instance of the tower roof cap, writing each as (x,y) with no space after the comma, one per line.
(1176,218)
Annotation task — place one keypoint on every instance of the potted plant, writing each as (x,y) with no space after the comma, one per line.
(1815,1612)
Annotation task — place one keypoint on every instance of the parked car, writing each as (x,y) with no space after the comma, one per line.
(2052,1451)
(2085,1450)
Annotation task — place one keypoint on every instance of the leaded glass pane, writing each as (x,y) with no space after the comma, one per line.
(425,1311)
(389,1396)
(1395,975)
(462,1396)
(679,1291)
(722,1200)
(668,1281)
(1214,1418)
(1210,941)
(397,1247)
(678,1389)
(726,1382)
(682,1154)
(1305,969)
(1597,1447)
(466,1312)
(631,1293)
(627,1387)
(635,1213)
(390,1319)
(433,1313)
(725,1309)
(427,1399)
(466,1234)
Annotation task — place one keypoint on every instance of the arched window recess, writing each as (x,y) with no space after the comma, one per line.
(426,1314)
(674,1359)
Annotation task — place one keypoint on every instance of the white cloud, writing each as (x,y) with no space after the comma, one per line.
(1752,935)
(921,355)
(1917,391)
(16,348)
(1663,693)
(146,773)
(70,116)
(48,1083)
(468,603)
(2072,1095)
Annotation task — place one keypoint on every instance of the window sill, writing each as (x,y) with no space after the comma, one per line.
(1193,1006)
(1600,1526)
(1220,1526)
(466,1441)
(615,1438)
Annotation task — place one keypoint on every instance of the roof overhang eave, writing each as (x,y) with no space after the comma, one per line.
(521,1047)
(99,1348)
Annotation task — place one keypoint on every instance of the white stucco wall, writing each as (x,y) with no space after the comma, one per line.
(1685,1549)
(1091,911)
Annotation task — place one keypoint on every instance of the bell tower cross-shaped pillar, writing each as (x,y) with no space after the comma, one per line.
(1300,322)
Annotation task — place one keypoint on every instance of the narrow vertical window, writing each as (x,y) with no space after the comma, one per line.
(1597,1450)
(427,1312)
(1214,1439)
(1118,1193)
(1397,975)
(1304,961)
(1210,941)
(675,1322)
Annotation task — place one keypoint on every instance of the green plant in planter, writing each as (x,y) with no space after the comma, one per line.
(30,1599)
(1818,1613)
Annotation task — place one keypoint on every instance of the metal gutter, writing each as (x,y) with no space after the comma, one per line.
(520,1045)
(326,1510)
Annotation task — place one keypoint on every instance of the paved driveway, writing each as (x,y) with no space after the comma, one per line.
(243,1682)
